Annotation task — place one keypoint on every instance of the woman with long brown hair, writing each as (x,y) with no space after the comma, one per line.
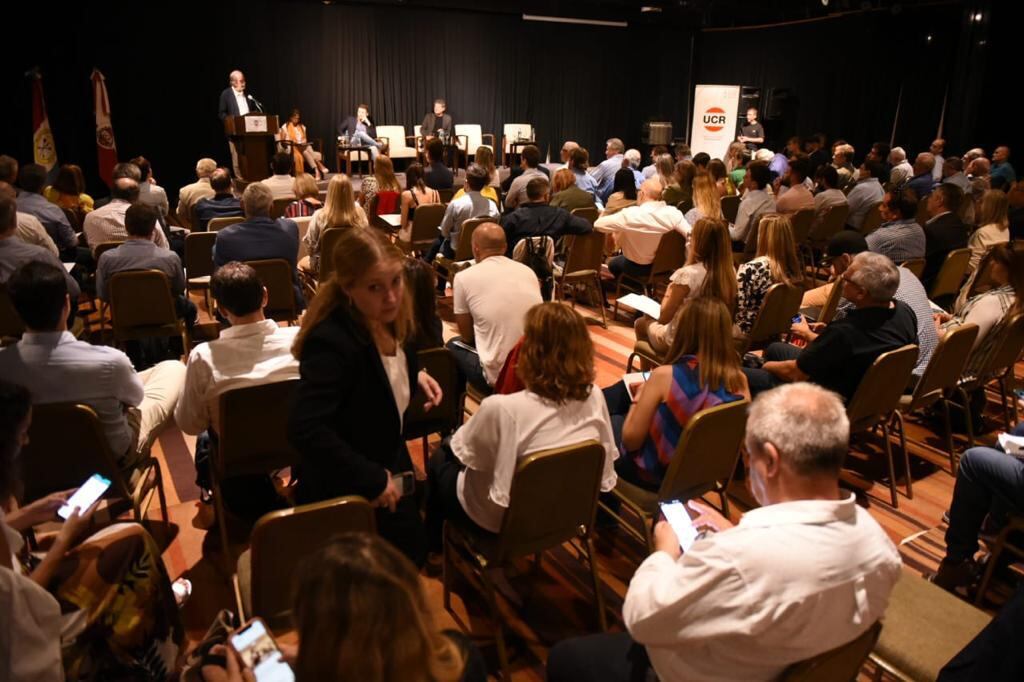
(340,210)
(681,188)
(68,190)
(565,193)
(472,479)
(702,370)
(382,180)
(776,262)
(708,272)
(416,193)
(358,374)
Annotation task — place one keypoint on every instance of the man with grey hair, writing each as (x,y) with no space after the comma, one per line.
(736,604)
(260,237)
(603,174)
(234,102)
(901,168)
(842,352)
(922,181)
(190,195)
(633,158)
(842,160)
(566,152)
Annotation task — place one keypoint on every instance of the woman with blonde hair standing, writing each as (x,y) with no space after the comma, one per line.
(340,210)
(776,262)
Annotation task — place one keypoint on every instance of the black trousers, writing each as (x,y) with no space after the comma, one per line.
(608,657)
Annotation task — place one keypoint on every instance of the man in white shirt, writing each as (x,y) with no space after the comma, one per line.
(638,230)
(251,352)
(281,182)
(529,160)
(491,300)
(603,174)
(901,168)
(755,202)
(190,195)
(829,194)
(106,224)
(805,573)
(866,193)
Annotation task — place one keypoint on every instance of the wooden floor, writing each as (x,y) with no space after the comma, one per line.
(559,603)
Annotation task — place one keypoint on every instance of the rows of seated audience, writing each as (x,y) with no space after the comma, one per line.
(741,227)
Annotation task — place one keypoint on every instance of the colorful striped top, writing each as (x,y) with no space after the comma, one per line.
(686,398)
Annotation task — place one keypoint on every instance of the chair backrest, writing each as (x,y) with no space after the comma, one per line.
(707,451)
(11,325)
(440,364)
(425,222)
(282,540)
(553,495)
(446,194)
(781,303)
(66,446)
(253,436)
(514,132)
(74,219)
(395,136)
(474,136)
(216,224)
(103,247)
(141,304)
(828,311)
(872,219)
(1008,349)
(328,242)
(951,275)
(276,276)
(685,206)
(915,265)
(730,207)
(385,203)
(585,252)
(590,214)
(671,254)
(465,250)
(945,365)
(802,221)
(303,225)
(830,224)
(842,663)
(277,210)
(880,389)
(199,254)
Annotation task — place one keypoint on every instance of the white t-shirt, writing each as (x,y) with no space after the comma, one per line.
(507,428)
(691,276)
(496,292)
(398,377)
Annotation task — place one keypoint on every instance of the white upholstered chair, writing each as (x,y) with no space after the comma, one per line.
(397,141)
(470,136)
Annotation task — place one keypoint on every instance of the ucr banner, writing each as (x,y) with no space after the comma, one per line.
(714,119)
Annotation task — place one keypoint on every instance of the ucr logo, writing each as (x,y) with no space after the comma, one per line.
(714,119)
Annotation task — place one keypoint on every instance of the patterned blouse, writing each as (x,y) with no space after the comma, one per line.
(754,278)
(988,311)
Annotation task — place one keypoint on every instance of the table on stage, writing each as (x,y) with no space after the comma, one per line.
(345,151)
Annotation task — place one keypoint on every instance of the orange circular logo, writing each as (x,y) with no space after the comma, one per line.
(714,119)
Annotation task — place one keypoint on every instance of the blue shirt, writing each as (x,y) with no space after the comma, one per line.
(921,184)
(139,254)
(51,216)
(604,175)
(14,253)
(1000,170)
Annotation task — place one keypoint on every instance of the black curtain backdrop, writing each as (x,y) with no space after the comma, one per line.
(164,77)
(846,74)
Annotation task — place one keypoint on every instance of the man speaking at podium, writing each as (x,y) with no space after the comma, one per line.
(234,102)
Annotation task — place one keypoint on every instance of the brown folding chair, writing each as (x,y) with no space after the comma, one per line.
(589,214)
(142,307)
(446,417)
(915,265)
(447,194)
(277,210)
(449,267)
(217,224)
(876,399)
(1008,541)
(780,305)
(199,263)
(841,664)
(277,276)
(828,311)
(938,382)
(281,541)
(705,460)
(425,223)
(328,243)
(11,325)
(999,367)
(553,500)
(103,247)
(730,207)
(872,220)
(253,439)
(670,256)
(821,232)
(584,257)
(951,274)
(802,221)
(67,445)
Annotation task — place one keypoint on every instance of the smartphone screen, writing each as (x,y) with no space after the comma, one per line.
(260,654)
(634,381)
(797,318)
(679,518)
(85,496)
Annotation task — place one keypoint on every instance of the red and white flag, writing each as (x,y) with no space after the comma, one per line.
(43,149)
(106,150)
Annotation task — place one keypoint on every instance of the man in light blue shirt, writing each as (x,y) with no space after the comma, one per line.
(604,173)
(866,193)
(470,205)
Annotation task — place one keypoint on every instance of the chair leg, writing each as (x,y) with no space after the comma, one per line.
(599,299)
(949,436)
(649,532)
(588,546)
(990,567)
(906,453)
(499,631)
(892,466)
(446,569)
(968,420)
(1004,399)
(161,495)
(629,362)
(222,524)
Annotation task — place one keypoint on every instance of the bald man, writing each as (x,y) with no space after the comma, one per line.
(106,224)
(638,230)
(491,300)
(234,102)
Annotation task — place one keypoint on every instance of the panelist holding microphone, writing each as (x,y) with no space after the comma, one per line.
(360,130)
(234,102)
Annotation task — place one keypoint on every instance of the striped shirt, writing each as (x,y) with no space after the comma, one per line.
(900,240)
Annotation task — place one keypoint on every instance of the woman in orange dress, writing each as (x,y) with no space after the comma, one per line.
(294,133)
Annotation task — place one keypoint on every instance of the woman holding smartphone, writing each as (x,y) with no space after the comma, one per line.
(99,608)
(358,374)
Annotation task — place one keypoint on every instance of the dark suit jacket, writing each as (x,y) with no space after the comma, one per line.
(942,235)
(348,127)
(438,176)
(228,104)
(428,123)
(534,220)
(344,422)
(260,239)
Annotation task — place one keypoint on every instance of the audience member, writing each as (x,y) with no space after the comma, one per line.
(382,180)
(90,607)
(922,181)
(566,152)
(1015,198)
(190,195)
(124,169)
(735,595)
(535,218)
(707,202)
(579,162)
(307,197)
(57,368)
(844,350)
(437,175)
(901,170)
(107,223)
(471,478)
(1001,167)
(755,202)
(14,252)
(529,161)
(867,192)
(994,222)
(416,193)
(31,179)
(797,196)
(490,300)
(439,122)
(603,174)
(776,262)
(638,230)
(280,183)
(150,193)
(68,190)
(953,173)
(260,237)
(340,210)
(666,170)
(682,152)
(8,169)
(899,237)
(937,147)
(702,370)
(567,194)
(420,281)
(725,186)
(28,228)
(471,205)
(358,375)
(829,194)
(651,169)
(880,154)
(294,140)
(484,157)
(708,272)
(223,203)
(632,163)
(681,187)
(944,231)
(701,161)
(251,352)
(842,161)
(817,150)
(623,192)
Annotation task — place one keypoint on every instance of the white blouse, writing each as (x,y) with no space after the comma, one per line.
(398,377)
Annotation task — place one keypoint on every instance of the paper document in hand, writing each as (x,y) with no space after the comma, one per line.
(1012,445)
(644,304)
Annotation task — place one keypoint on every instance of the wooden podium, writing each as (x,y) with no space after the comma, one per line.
(254,136)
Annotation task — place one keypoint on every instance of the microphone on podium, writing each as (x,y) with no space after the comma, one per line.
(255,101)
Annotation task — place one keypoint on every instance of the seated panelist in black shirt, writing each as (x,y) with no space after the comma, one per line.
(438,123)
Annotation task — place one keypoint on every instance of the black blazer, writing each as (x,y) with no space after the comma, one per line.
(943,235)
(229,105)
(344,422)
(426,128)
(348,127)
